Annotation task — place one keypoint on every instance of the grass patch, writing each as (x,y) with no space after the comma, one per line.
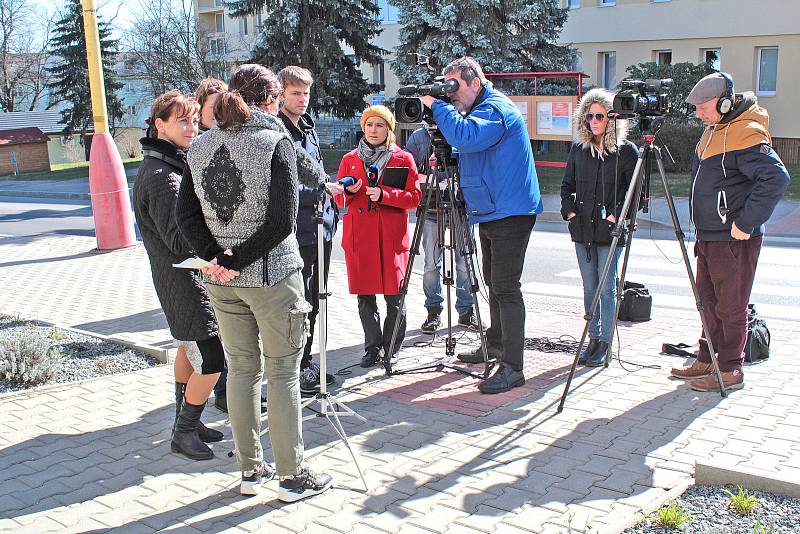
(550,179)
(68,171)
(742,502)
(672,516)
(332,157)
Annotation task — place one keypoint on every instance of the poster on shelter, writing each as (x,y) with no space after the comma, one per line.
(522,106)
(554,118)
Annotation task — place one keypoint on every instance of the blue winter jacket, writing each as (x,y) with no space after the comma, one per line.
(498,177)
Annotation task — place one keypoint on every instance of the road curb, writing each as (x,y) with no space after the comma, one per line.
(45,194)
(712,474)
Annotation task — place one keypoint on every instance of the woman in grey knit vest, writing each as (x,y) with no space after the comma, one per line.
(237,207)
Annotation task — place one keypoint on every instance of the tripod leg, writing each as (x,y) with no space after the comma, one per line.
(339,429)
(430,188)
(679,235)
(631,202)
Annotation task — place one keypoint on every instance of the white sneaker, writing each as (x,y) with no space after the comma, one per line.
(252,481)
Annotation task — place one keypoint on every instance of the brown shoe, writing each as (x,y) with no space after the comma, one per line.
(731,380)
(698,369)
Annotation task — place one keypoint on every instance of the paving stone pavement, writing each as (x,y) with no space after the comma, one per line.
(94,456)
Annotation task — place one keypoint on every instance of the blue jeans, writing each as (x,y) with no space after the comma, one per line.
(432,281)
(601,325)
(222,382)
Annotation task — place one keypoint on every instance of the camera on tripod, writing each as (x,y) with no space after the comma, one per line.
(411,108)
(639,98)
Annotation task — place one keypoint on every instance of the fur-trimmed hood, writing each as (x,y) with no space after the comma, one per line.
(617,130)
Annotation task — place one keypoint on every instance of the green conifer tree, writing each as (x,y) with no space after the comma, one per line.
(503,35)
(310,34)
(70,72)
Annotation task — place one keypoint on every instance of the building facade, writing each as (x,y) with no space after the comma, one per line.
(758,43)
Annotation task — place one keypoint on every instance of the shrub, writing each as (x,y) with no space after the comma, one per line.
(672,516)
(680,137)
(29,359)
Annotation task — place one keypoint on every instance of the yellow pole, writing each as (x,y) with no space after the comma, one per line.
(96,83)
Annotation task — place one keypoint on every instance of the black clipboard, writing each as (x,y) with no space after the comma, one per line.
(395,177)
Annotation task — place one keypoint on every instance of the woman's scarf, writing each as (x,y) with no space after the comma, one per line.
(378,156)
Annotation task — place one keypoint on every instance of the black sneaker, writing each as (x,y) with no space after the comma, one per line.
(476,356)
(304,484)
(468,320)
(252,481)
(371,358)
(432,323)
(309,379)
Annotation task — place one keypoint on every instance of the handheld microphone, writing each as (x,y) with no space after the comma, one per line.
(372,180)
(347,181)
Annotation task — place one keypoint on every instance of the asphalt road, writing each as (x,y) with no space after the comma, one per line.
(550,265)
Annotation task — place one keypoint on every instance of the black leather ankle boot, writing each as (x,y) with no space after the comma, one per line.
(206,434)
(185,439)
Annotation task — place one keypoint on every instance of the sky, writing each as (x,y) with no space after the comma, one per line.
(107,9)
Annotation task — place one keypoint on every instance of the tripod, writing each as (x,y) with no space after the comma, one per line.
(329,405)
(450,208)
(641,174)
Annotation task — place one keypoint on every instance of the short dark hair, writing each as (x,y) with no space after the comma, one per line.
(208,87)
(250,85)
(170,104)
(467,67)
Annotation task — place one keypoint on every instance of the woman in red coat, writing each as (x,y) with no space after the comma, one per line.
(375,236)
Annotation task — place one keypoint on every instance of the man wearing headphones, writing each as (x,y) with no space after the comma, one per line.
(737,180)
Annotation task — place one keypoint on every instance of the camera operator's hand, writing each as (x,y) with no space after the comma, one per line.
(611,219)
(571,215)
(374,193)
(738,234)
(428,100)
(355,187)
(334,188)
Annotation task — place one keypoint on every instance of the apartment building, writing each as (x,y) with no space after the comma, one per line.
(232,38)
(757,42)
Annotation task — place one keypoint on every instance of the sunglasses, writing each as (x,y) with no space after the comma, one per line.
(597,116)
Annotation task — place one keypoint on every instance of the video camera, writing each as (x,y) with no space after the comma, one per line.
(411,108)
(639,98)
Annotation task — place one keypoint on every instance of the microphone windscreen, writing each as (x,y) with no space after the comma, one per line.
(347,181)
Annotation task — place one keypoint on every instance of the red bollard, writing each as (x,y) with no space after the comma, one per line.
(108,188)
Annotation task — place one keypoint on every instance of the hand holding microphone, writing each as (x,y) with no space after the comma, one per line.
(373,191)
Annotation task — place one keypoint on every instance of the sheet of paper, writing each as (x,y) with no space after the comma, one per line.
(192,263)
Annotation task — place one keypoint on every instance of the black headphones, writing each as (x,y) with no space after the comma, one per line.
(725,102)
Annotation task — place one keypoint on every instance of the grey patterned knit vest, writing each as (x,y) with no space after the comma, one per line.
(231,174)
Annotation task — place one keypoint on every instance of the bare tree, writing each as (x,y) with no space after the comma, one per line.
(171,51)
(24,39)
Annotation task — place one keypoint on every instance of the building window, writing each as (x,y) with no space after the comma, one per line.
(243,29)
(259,22)
(663,57)
(767,73)
(711,56)
(131,110)
(219,3)
(577,62)
(659,1)
(608,2)
(379,74)
(388,13)
(219,23)
(217,47)
(573,4)
(608,69)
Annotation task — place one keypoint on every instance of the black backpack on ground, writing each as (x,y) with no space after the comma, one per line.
(636,303)
(758,337)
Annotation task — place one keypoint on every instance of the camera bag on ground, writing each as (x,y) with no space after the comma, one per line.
(758,337)
(636,303)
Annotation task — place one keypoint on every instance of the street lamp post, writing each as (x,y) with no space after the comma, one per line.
(108,186)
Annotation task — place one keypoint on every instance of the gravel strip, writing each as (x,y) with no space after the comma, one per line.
(709,507)
(83,356)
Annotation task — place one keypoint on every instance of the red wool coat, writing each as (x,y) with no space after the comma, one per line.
(376,242)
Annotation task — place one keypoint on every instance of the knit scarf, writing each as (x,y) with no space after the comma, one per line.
(378,156)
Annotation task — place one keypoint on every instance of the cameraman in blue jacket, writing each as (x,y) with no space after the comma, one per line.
(501,191)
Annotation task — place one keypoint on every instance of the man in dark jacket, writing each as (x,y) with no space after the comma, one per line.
(501,191)
(419,146)
(737,180)
(296,82)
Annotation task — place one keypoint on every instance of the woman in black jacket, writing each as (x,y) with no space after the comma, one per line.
(599,169)
(200,356)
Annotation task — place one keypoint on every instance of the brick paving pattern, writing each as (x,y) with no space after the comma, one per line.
(438,456)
